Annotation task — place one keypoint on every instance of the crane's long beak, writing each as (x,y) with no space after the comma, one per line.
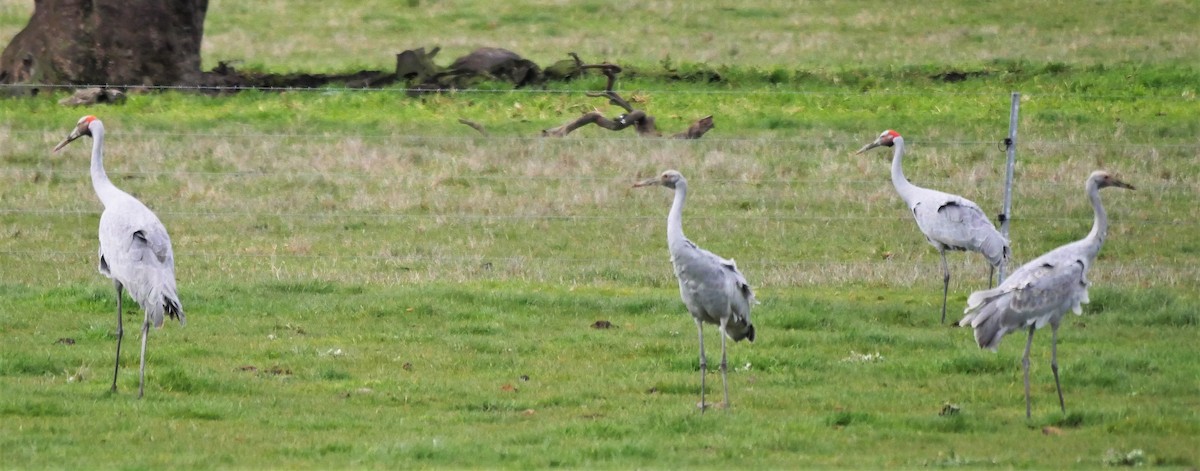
(74,135)
(646,182)
(870,146)
(1121,184)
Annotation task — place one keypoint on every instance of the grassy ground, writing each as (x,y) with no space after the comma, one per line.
(370,284)
(505,374)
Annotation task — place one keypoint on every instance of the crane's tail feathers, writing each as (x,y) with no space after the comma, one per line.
(983,314)
(979,297)
(168,305)
(174,309)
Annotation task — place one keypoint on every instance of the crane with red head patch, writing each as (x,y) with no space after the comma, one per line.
(135,250)
(949,222)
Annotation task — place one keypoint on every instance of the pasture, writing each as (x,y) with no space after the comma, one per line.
(370,284)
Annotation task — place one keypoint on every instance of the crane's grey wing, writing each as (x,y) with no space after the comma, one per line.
(745,292)
(713,287)
(694,270)
(136,251)
(730,275)
(1062,255)
(127,242)
(739,297)
(960,224)
(740,327)
(131,234)
(151,244)
(1038,295)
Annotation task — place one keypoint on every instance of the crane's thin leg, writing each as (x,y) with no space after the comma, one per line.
(145,334)
(120,333)
(1054,365)
(991,273)
(703,363)
(945,283)
(1025,366)
(724,363)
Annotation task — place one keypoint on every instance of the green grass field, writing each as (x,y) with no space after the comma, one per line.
(370,284)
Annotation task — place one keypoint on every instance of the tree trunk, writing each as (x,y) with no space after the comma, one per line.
(113,42)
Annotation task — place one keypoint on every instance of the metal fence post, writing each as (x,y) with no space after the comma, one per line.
(1011,144)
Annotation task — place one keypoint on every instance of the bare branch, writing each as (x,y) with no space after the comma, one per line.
(474,125)
(697,129)
(610,71)
(643,123)
(587,118)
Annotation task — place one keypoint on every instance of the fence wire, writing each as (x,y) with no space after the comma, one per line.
(569,218)
(630,261)
(624,139)
(368,176)
(775,91)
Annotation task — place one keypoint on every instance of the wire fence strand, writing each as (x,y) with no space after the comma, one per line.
(773,91)
(719,217)
(624,139)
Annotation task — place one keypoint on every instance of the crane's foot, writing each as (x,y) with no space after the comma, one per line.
(710,405)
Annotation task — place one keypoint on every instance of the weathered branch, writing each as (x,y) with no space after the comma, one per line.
(610,71)
(697,129)
(473,125)
(587,118)
(641,122)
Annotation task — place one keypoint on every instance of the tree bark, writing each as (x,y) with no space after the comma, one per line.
(113,42)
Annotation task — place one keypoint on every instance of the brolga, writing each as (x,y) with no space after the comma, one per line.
(949,222)
(135,251)
(711,287)
(1043,290)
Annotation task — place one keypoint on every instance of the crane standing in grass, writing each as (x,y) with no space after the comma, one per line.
(712,288)
(1043,290)
(949,222)
(135,250)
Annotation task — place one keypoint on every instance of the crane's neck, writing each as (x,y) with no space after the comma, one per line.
(100,182)
(1095,238)
(898,180)
(675,217)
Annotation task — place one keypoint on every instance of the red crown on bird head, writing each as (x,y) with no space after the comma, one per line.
(892,133)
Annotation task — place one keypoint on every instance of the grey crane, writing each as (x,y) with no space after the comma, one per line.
(711,287)
(1043,290)
(135,250)
(949,222)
